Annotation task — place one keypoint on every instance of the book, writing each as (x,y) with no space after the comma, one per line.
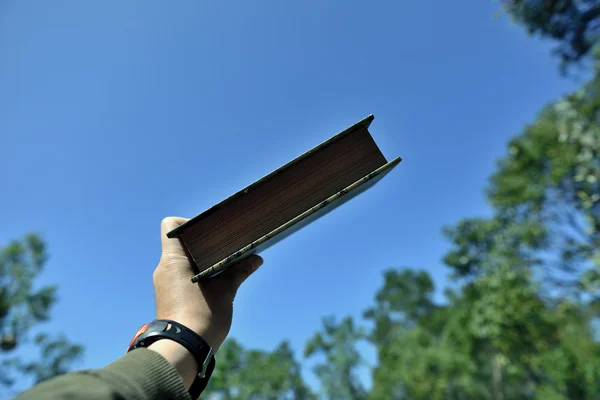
(284,201)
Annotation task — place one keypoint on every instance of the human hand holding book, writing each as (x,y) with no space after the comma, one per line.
(205,308)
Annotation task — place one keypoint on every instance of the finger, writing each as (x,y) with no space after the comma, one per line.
(238,273)
(171,246)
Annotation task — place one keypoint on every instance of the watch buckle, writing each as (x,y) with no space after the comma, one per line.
(204,365)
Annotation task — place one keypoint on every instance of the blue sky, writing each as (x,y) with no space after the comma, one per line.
(115,114)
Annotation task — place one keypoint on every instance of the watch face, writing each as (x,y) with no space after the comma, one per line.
(137,335)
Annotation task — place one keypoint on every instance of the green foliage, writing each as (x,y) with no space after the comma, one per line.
(551,176)
(572,23)
(256,375)
(338,374)
(56,357)
(483,245)
(406,297)
(416,360)
(22,307)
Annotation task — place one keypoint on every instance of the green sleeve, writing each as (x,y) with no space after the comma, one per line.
(141,374)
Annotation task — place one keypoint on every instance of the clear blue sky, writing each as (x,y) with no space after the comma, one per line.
(115,114)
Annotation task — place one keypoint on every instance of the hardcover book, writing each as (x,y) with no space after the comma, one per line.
(284,201)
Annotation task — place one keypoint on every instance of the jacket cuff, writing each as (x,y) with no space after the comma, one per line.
(149,373)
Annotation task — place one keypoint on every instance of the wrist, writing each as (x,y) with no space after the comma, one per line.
(206,330)
(189,353)
(179,357)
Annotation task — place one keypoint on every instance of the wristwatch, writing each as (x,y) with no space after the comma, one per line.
(167,329)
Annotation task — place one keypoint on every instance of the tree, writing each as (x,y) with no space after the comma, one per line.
(22,308)
(520,329)
(572,23)
(338,374)
(415,359)
(256,375)
(495,337)
(531,271)
(551,178)
(525,282)
(405,300)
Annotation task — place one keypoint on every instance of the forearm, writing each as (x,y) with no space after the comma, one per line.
(179,357)
(141,374)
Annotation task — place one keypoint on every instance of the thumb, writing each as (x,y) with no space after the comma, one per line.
(171,246)
(240,272)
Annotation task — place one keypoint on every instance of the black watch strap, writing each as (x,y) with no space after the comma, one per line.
(167,329)
(200,383)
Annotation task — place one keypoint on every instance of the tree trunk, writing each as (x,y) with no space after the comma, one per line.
(497,378)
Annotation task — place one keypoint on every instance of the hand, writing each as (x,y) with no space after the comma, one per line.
(205,307)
